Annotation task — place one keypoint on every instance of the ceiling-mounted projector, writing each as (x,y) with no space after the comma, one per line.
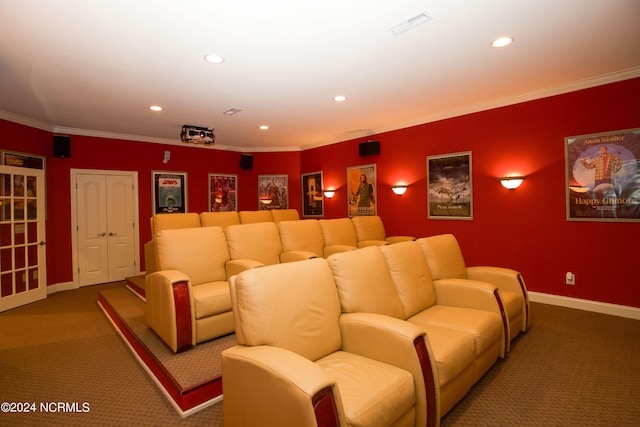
(197,135)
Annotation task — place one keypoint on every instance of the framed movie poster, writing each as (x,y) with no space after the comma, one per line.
(223,193)
(22,160)
(273,192)
(362,190)
(603,176)
(312,198)
(449,186)
(169,192)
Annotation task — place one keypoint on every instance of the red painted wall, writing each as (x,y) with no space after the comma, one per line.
(525,229)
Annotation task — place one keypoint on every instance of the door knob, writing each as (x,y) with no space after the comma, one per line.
(102,234)
(113,234)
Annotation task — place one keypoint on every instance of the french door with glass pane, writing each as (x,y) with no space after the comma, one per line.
(22,237)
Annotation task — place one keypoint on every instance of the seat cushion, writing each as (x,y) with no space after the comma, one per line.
(366,386)
(339,231)
(251,217)
(211,298)
(484,326)
(453,351)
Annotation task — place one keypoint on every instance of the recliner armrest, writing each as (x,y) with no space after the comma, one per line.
(365,243)
(405,346)
(291,256)
(237,266)
(466,293)
(398,239)
(504,278)
(267,376)
(173,323)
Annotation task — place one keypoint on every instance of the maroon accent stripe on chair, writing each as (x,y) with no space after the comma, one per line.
(183,316)
(505,319)
(526,298)
(429,381)
(324,406)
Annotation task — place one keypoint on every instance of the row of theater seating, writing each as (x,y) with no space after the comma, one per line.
(335,235)
(364,337)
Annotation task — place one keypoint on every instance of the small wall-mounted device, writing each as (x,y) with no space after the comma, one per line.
(570,278)
(167,157)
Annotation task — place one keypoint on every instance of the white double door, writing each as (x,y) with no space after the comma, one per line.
(105,226)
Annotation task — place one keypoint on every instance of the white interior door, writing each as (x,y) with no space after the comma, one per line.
(22,234)
(106,228)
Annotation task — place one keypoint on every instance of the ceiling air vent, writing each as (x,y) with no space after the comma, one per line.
(410,23)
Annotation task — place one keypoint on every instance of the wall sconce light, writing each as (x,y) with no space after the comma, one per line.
(399,189)
(266,201)
(329,193)
(511,182)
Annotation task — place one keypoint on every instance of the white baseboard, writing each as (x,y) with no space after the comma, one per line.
(58,287)
(583,304)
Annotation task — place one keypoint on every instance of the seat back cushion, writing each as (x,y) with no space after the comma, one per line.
(444,256)
(284,215)
(368,227)
(251,217)
(220,219)
(293,306)
(411,276)
(302,235)
(200,253)
(364,283)
(165,221)
(339,231)
(259,241)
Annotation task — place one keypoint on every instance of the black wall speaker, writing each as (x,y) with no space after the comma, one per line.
(246,161)
(368,148)
(61,146)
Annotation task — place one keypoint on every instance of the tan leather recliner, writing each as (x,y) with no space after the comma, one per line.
(188,298)
(164,221)
(299,362)
(219,219)
(462,322)
(339,235)
(284,215)
(251,217)
(252,245)
(301,239)
(446,262)
(370,232)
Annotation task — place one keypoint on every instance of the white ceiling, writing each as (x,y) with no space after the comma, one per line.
(94,67)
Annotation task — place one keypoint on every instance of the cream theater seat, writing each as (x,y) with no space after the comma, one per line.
(188,298)
(445,260)
(370,232)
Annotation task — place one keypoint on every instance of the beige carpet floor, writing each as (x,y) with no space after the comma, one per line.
(573,368)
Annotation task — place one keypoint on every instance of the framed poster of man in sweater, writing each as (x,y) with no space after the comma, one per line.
(603,176)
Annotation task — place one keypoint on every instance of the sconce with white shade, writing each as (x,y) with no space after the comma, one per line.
(399,189)
(329,193)
(511,182)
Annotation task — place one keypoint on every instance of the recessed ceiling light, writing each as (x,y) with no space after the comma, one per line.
(155,108)
(502,42)
(264,127)
(214,59)
(340,98)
